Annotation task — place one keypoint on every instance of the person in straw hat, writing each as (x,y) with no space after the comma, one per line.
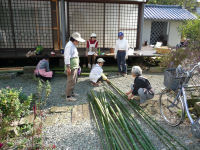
(71,60)
(96,74)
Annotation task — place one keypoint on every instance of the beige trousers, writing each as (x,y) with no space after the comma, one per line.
(71,81)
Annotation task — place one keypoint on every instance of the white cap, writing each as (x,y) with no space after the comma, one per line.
(93,35)
(77,36)
(100,60)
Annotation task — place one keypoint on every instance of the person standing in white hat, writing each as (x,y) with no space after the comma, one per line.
(91,50)
(71,59)
(96,74)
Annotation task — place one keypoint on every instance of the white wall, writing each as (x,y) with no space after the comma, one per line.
(146,31)
(174,35)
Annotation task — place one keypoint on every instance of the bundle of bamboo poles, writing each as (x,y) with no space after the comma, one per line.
(118,129)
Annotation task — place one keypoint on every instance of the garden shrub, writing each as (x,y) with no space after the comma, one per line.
(13,106)
(190,55)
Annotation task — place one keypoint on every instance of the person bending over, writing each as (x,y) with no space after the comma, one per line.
(42,69)
(141,86)
(96,74)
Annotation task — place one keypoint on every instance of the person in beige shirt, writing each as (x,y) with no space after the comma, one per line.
(71,59)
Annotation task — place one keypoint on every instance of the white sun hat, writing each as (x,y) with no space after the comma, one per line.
(77,36)
(100,60)
(93,35)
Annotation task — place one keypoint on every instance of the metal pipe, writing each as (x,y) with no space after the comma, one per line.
(186,106)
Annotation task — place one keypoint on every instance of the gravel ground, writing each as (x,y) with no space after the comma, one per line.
(73,137)
(84,136)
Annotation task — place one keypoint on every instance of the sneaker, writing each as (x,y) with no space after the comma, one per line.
(118,73)
(89,66)
(74,95)
(93,65)
(124,74)
(70,98)
(94,84)
(137,98)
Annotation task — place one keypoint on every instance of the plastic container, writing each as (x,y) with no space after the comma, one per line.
(99,52)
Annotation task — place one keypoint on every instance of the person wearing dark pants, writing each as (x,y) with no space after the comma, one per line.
(121,61)
(121,53)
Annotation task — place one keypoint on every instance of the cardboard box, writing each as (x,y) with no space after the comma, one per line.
(163,50)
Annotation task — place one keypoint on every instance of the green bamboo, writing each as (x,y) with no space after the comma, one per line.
(126,123)
(106,131)
(98,128)
(124,126)
(112,123)
(112,140)
(154,128)
(163,130)
(145,147)
(136,107)
(145,138)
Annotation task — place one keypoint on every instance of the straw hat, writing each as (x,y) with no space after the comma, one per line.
(77,36)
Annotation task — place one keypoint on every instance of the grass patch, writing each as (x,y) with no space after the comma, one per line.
(86,70)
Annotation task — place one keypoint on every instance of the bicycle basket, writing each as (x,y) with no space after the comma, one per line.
(170,80)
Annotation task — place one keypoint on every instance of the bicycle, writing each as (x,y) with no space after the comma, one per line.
(173,99)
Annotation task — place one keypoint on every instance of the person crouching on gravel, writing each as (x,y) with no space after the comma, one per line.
(141,87)
(42,69)
(96,74)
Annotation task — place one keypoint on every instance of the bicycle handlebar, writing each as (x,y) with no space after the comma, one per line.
(192,70)
(188,73)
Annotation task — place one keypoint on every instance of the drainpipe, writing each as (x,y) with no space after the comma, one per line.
(63,23)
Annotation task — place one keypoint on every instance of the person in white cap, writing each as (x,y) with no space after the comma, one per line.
(71,59)
(91,50)
(96,74)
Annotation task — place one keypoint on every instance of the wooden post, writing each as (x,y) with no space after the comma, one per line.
(140,26)
(58,27)
(12,24)
(104,24)
(63,23)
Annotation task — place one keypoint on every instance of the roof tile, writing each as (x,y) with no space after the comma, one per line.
(167,12)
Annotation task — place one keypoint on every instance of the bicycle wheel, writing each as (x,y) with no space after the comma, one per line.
(172,107)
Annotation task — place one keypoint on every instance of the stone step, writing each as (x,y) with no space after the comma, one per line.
(68,115)
(8,75)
